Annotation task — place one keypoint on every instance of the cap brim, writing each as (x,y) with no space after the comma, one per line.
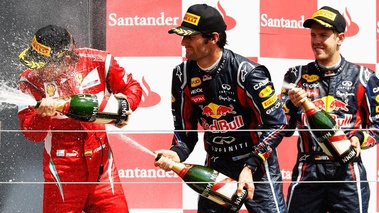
(309,22)
(32,59)
(183,31)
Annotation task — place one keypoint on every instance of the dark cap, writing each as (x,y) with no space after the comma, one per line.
(329,18)
(50,43)
(200,18)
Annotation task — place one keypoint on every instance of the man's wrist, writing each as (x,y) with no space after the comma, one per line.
(252,168)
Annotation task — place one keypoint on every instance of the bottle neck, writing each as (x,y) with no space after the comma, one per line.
(180,169)
(309,107)
(63,105)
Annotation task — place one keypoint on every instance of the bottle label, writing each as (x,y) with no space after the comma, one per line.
(327,134)
(224,191)
(340,142)
(349,156)
(340,145)
(210,184)
(112,110)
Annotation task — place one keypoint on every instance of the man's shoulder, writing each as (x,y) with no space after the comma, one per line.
(302,68)
(186,65)
(91,53)
(356,66)
(29,74)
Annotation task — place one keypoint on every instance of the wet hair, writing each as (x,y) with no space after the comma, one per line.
(73,55)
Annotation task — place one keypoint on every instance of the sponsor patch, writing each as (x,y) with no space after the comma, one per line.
(269,102)
(191,18)
(195,82)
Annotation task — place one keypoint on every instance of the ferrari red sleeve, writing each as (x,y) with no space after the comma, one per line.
(33,125)
(121,82)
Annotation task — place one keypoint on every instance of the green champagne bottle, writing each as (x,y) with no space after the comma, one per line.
(93,108)
(329,135)
(211,184)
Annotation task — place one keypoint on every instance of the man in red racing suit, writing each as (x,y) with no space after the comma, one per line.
(76,151)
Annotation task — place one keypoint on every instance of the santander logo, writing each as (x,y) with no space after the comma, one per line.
(149,98)
(230,21)
(352,28)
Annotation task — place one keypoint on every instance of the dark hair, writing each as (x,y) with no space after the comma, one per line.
(74,57)
(221,38)
(72,53)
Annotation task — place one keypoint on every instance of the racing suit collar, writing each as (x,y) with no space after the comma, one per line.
(217,68)
(212,67)
(331,71)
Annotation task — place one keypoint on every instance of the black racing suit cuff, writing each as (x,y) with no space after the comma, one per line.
(360,136)
(290,105)
(181,153)
(253,162)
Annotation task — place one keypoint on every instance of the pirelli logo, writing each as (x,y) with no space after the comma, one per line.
(191,18)
(325,13)
(269,102)
(40,48)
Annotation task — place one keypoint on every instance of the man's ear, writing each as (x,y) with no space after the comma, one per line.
(67,58)
(341,38)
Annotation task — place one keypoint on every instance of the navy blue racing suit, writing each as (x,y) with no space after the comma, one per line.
(350,94)
(231,102)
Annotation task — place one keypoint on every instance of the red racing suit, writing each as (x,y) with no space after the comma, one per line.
(349,92)
(78,151)
(231,102)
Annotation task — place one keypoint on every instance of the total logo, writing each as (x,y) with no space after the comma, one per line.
(329,104)
(216,111)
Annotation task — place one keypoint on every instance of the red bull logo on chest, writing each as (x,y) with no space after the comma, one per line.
(330,104)
(220,125)
(216,111)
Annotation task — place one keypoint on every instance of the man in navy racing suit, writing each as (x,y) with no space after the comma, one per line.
(231,97)
(348,92)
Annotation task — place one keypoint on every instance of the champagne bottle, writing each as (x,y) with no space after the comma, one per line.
(93,108)
(329,135)
(210,183)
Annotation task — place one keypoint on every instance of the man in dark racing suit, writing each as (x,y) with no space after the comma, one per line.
(348,92)
(231,97)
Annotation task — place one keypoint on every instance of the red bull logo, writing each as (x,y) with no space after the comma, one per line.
(319,103)
(330,104)
(337,105)
(220,125)
(216,111)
